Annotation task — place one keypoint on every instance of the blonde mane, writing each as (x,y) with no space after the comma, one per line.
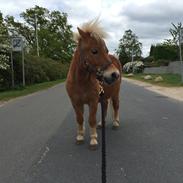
(92,27)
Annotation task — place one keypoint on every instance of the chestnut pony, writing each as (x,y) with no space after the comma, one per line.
(92,68)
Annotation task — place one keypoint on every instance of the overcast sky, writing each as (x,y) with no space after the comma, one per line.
(150,20)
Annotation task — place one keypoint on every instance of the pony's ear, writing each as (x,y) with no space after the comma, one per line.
(81,32)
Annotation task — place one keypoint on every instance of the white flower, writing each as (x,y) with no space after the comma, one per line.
(4,59)
(137,66)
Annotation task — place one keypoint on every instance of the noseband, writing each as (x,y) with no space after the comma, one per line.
(98,71)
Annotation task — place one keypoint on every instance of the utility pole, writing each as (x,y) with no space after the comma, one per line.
(23,65)
(180,51)
(133,58)
(36,34)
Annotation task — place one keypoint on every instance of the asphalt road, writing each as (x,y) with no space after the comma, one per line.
(37,140)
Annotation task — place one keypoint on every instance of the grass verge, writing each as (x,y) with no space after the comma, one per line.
(22,91)
(169,80)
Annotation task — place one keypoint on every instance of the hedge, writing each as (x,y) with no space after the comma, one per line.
(37,70)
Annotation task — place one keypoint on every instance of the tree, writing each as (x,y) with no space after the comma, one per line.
(129,47)
(165,51)
(175,32)
(54,32)
(4,54)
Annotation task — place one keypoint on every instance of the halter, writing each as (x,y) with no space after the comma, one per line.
(93,69)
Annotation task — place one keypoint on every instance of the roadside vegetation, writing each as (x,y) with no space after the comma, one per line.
(169,80)
(22,91)
(48,47)
(129,52)
(49,60)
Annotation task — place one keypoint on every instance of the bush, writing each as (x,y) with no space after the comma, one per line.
(136,66)
(162,62)
(164,51)
(5,72)
(148,59)
(39,69)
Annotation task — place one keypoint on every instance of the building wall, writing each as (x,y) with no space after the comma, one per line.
(173,67)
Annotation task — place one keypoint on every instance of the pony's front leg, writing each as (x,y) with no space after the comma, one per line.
(116,122)
(80,120)
(92,121)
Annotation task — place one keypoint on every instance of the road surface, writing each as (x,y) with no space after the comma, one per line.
(37,140)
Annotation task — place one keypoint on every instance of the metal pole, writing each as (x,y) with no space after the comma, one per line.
(12,70)
(37,41)
(132,60)
(180,51)
(23,67)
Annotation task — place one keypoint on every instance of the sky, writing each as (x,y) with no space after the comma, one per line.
(150,20)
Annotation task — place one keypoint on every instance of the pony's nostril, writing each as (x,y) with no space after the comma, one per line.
(111,78)
(115,75)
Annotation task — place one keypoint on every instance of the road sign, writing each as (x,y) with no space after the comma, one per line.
(17,46)
(16,43)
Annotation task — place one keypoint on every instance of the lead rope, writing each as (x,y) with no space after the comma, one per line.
(103,136)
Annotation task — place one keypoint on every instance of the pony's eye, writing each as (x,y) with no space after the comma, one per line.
(94,51)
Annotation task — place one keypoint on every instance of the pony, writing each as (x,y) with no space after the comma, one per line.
(92,68)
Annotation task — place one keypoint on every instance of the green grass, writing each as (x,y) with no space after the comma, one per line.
(22,91)
(169,80)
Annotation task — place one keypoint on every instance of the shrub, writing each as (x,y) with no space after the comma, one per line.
(162,62)
(39,69)
(5,74)
(148,59)
(136,66)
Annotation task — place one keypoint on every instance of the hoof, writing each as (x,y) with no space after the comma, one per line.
(79,142)
(99,125)
(115,125)
(79,139)
(93,147)
(93,144)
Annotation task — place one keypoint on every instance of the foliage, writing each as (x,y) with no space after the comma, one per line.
(43,69)
(21,91)
(175,32)
(164,51)
(54,32)
(148,59)
(167,51)
(136,66)
(129,46)
(55,46)
(4,62)
(169,80)
(4,65)
(4,54)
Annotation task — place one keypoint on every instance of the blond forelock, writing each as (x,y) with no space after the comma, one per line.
(94,28)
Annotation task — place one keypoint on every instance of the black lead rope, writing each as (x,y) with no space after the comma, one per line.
(103,139)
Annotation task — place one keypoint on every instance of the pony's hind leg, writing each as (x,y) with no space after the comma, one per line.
(115,103)
(92,123)
(80,129)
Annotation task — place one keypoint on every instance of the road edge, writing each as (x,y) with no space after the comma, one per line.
(173,92)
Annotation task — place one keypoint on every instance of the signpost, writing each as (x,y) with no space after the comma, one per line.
(12,70)
(180,51)
(17,46)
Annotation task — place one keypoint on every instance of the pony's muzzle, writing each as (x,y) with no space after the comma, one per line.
(111,77)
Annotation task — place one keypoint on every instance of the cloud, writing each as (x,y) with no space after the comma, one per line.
(149,20)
